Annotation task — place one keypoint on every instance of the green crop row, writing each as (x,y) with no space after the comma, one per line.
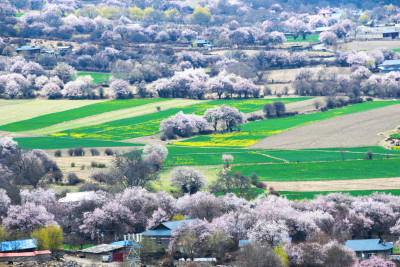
(76,113)
(197,156)
(318,171)
(98,77)
(63,143)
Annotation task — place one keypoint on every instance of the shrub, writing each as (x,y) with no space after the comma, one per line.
(72,164)
(108,152)
(57,176)
(90,187)
(73,179)
(70,152)
(79,151)
(102,177)
(58,153)
(369,155)
(94,152)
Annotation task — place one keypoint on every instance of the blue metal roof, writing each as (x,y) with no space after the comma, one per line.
(160,232)
(28,48)
(244,242)
(176,224)
(390,62)
(124,243)
(368,245)
(201,42)
(390,31)
(18,244)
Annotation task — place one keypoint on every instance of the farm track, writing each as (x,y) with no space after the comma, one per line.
(358,129)
(337,185)
(113,115)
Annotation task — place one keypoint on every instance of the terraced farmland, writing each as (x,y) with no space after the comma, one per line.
(149,124)
(253,132)
(76,113)
(19,110)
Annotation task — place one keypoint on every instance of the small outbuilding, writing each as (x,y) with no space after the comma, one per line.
(97,253)
(364,248)
(391,34)
(38,256)
(202,43)
(29,49)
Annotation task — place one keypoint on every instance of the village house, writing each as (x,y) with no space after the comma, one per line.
(161,235)
(97,253)
(391,34)
(29,49)
(202,43)
(22,250)
(390,65)
(364,248)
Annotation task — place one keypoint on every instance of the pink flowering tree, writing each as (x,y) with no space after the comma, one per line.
(27,217)
(4,203)
(112,218)
(375,261)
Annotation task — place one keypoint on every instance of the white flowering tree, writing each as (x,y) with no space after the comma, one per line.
(188,179)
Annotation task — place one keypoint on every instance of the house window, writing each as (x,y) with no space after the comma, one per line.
(159,241)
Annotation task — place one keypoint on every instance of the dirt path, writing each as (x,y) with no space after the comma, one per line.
(337,185)
(358,129)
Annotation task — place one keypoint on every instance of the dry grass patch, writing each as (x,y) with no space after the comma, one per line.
(337,185)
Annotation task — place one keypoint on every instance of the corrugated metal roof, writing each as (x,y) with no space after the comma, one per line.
(368,245)
(201,42)
(101,249)
(28,48)
(124,243)
(159,232)
(176,224)
(390,31)
(18,244)
(390,62)
(24,254)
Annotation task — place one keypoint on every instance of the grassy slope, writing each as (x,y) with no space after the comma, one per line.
(98,77)
(62,143)
(16,110)
(309,38)
(253,132)
(111,116)
(73,114)
(149,124)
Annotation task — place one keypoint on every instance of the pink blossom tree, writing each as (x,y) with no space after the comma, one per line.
(27,217)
